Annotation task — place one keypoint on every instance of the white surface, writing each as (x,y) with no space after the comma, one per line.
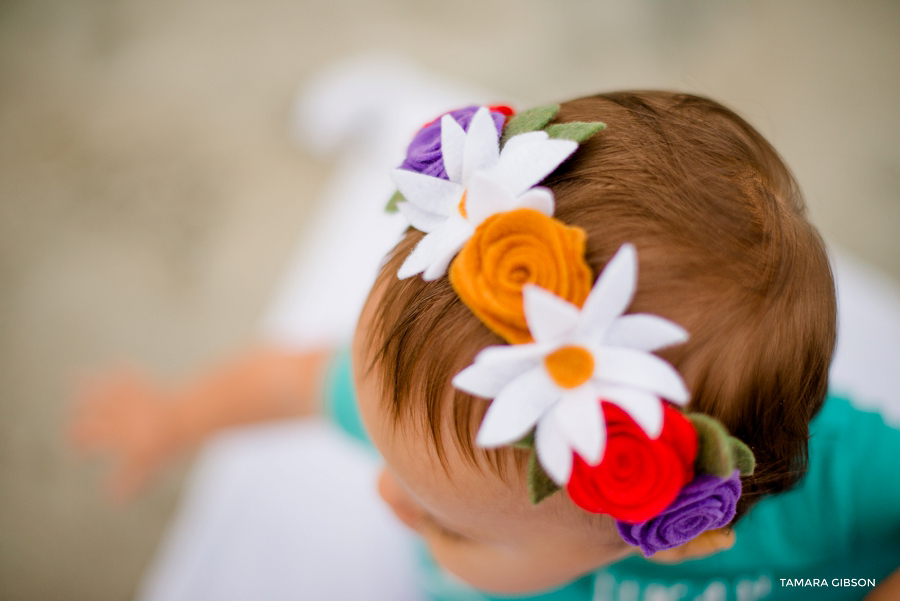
(867,358)
(367,109)
(250,526)
(284,512)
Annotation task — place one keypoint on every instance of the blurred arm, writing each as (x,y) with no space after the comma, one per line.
(144,425)
(265,384)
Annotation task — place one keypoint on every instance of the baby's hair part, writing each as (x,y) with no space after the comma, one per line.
(725,250)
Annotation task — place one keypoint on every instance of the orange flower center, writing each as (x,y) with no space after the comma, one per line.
(519,275)
(462,205)
(570,366)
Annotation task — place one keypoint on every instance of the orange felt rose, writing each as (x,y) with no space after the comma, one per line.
(509,250)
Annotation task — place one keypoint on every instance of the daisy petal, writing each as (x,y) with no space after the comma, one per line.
(420,219)
(497,356)
(539,199)
(434,252)
(431,194)
(611,294)
(580,417)
(553,452)
(529,158)
(482,147)
(515,144)
(644,332)
(453,140)
(487,377)
(456,239)
(641,370)
(547,315)
(644,408)
(517,409)
(485,196)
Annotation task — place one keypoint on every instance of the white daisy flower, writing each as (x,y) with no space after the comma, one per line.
(483,181)
(578,357)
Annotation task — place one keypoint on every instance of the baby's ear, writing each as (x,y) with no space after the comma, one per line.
(708,543)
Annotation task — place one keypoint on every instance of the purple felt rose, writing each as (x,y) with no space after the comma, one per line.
(705,503)
(424,152)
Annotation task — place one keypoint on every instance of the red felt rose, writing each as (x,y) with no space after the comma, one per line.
(638,477)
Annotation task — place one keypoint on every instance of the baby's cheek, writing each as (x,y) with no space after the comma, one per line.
(406,510)
(486,567)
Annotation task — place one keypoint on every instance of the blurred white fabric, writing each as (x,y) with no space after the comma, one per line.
(366,111)
(866,363)
(284,511)
(290,511)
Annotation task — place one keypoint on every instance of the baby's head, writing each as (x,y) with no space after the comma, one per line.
(724,250)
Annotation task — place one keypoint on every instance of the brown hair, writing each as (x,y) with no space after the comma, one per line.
(724,249)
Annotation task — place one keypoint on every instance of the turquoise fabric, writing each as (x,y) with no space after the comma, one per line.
(841,522)
(340,398)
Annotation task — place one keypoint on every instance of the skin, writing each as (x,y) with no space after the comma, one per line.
(143,424)
(480,525)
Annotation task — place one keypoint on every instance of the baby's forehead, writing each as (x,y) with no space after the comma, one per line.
(458,490)
(429,454)
(434,456)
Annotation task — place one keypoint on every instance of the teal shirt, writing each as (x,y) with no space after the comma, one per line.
(842,522)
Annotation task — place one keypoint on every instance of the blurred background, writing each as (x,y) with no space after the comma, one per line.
(150,192)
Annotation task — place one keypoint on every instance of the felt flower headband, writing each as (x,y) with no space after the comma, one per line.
(578,384)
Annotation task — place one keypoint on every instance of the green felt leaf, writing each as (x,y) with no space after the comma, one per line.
(714,452)
(540,486)
(531,120)
(578,131)
(392,203)
(719,452)
(527,443)
(742,456)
